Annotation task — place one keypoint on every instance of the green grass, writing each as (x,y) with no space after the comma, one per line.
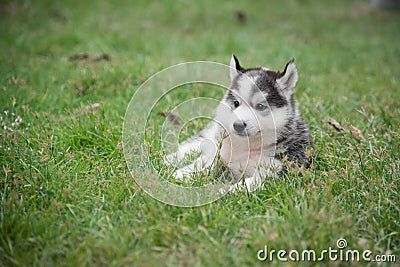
(67,197)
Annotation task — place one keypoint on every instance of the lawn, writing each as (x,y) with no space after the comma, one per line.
(68,70)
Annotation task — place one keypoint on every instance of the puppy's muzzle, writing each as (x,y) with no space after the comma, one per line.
(239,126)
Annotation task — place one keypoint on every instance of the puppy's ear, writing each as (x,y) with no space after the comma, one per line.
(234,67)
(288,78)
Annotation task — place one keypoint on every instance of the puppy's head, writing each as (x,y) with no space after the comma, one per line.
(258,101)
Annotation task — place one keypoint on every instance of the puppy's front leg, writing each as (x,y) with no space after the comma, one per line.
(198,165)
(255,181)
(209,150)
(187,147)
(194,143)
(250,183)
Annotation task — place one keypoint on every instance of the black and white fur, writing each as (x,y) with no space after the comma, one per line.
(256,125)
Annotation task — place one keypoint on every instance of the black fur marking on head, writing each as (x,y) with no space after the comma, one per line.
(267,84)
(230,97)
(275,99)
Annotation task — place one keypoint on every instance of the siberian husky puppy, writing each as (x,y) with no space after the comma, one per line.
(257,124)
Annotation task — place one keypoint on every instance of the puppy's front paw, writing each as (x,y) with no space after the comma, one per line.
(250,184)
(179,176)
(182,175)
(233,189)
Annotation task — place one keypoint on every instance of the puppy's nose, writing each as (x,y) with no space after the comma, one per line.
(239,126)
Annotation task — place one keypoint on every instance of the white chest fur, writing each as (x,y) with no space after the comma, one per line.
(244,156)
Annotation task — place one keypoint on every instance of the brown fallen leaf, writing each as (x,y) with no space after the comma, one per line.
(81,91)
(335,124)
(101,57)
(240,16)
(356,132)
(172,117)
(45,159)
(79,57)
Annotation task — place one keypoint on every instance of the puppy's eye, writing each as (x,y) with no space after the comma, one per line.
(261,107)
(236,103)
